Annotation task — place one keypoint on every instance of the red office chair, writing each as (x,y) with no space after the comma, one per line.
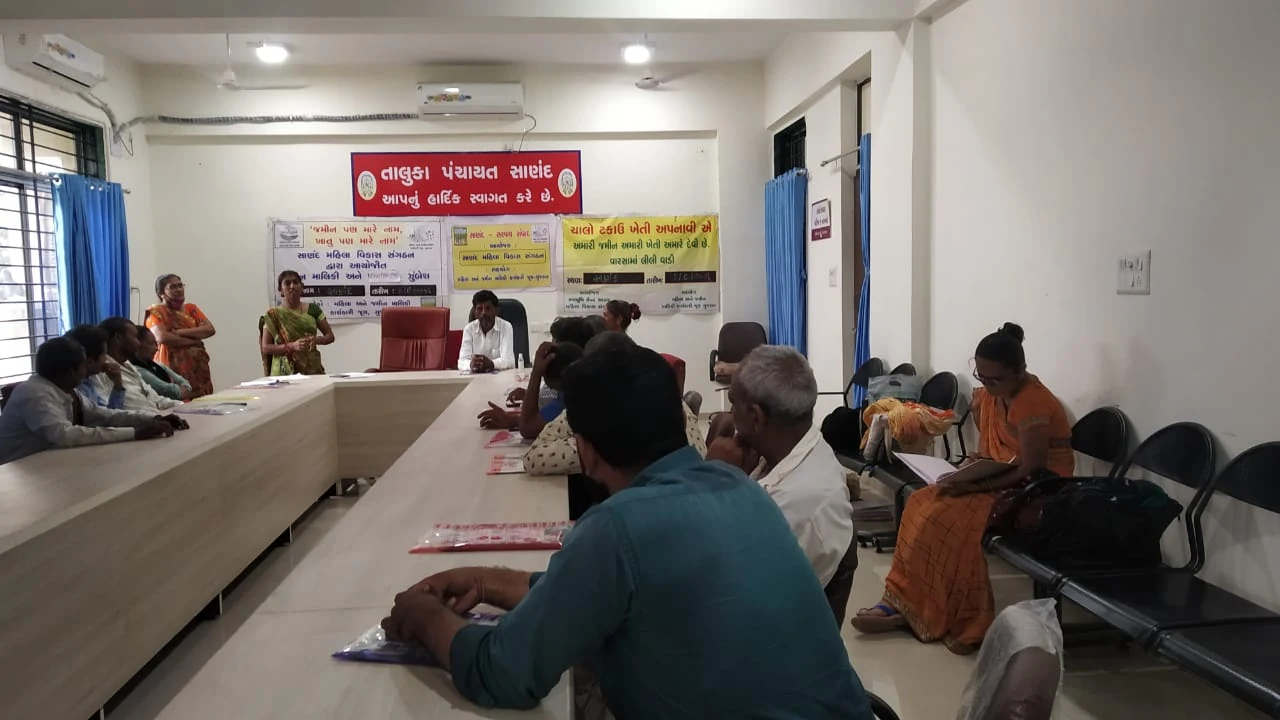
(414,338)
(452,348)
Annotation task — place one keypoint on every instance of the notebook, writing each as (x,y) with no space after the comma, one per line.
(932,469)
(506,464)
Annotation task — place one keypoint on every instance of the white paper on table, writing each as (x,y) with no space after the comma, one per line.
(349,375)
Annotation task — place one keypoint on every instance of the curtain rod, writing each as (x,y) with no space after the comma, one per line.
(830,160)
(37,176)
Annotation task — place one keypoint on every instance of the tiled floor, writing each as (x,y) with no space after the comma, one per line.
(923,682)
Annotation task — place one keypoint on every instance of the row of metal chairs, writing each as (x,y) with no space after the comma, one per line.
(1169,610)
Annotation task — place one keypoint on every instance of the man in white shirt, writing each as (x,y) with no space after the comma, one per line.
(46,411)
(488,342)
(122,346)
(773,394)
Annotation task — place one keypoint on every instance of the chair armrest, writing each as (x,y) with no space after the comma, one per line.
(711,367)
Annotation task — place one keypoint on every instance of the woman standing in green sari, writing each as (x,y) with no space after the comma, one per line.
(292,331)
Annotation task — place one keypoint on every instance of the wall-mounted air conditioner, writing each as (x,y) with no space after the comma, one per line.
(55,59)
(470,101)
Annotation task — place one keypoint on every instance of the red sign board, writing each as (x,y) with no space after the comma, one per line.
(469,183)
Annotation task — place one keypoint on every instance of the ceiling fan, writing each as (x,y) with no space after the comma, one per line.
(656,82)
(228,81)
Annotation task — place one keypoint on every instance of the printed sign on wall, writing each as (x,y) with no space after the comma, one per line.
(466,183)
(512,253)
(355,268)
(665,265)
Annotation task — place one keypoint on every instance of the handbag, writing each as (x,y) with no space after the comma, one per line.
(1089,523)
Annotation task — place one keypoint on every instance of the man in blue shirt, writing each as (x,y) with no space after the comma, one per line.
(685,590)
(94,341)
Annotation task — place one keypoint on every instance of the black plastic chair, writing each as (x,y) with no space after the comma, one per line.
(6,392)
(1142,604)
(1182,452)
(942,392)
(736,341)
(869,369)
(1244,658)
(904,369)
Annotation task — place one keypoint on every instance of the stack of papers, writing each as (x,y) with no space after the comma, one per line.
(932,469)
(507,439)
(506,465)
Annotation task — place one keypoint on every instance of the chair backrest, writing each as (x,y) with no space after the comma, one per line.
(738,339)
(6,392)
(513,312)
(873,367)
(904,369)
(1184,453)
(1102,434)
(1251,477)
(940,391)
(452,348)
(414,338)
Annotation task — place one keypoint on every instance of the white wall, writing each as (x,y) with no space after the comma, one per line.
(121,92)
(687,150)
(799,77)
(1068,133)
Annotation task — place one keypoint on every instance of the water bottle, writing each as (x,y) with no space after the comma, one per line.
(520,361)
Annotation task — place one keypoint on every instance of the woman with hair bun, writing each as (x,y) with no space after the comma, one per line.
(619,314)
(180,330)
(938,587)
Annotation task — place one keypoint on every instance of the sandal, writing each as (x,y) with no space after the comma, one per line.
(890,619)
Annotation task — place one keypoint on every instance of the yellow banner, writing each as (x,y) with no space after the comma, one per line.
(508,255)
(664,264)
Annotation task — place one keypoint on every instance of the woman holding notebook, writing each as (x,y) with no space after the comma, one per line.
(938,586)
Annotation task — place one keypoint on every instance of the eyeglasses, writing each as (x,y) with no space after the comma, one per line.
(989,381)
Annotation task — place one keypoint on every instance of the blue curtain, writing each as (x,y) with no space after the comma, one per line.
(784,222)
(862,335)
(93,249)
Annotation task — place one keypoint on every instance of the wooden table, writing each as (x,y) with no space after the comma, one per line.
(107,552)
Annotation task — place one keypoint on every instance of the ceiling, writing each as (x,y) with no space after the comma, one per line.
(383,49)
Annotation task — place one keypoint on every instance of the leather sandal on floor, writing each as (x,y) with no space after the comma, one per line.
(866,622)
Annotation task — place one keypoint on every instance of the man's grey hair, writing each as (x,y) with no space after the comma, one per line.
(779,380)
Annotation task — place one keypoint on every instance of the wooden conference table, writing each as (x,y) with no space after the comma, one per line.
(106,553)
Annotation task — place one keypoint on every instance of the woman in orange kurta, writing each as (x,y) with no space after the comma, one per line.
(181,329)
(938,585)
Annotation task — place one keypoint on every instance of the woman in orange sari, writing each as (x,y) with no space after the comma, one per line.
(181,329)
(938,586)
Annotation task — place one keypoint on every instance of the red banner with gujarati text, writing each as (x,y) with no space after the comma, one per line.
(412,184)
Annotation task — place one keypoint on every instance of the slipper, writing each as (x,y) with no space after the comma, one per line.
(864,622)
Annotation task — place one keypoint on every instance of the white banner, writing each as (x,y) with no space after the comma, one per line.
(355,267)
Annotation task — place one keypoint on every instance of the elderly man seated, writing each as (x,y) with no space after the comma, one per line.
(773,437)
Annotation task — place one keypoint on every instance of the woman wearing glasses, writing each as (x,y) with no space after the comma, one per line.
(938,586)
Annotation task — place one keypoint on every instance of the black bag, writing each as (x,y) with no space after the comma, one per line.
(842,430)
(1094,524)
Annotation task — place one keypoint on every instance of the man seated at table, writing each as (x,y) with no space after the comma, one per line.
(94,341)
(555,451)
(122,347)
(685,590)
(46,411)
(488,341)
(773,394)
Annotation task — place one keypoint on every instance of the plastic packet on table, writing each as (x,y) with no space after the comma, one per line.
(211,408)
(373,646)
(494,536)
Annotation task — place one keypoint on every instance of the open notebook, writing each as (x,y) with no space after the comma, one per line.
(932,469)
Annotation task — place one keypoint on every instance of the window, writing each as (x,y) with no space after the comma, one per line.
(33,144)
(788,148)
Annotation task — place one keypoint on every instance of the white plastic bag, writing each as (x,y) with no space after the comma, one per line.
(1028,624)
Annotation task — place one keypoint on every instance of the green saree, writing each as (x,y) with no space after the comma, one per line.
(286,326)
